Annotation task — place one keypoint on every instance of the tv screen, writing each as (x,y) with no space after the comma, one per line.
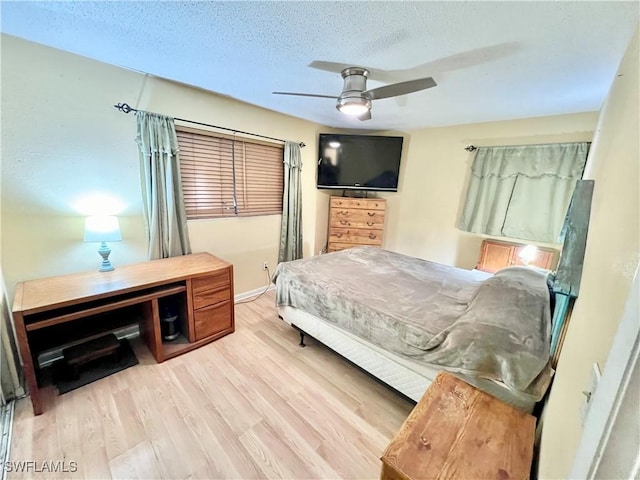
(359,162)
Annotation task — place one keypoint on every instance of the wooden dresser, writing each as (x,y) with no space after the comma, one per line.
(495,255)
(60,312)
(457,431)
(354,222)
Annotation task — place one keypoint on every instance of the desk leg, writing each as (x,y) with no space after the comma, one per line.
(150,329)
(27,361)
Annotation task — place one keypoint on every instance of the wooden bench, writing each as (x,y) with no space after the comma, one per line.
(459,432)
(78,355)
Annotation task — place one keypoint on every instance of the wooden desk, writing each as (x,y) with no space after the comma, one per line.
(66,310)
(458,432)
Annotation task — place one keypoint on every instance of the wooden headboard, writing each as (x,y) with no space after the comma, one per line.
(495,255)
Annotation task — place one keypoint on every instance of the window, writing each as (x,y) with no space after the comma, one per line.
(223,177)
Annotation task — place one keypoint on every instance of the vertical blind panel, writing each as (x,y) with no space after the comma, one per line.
(214,168)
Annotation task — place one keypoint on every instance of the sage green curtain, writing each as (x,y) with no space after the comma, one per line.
(162,199)
(522,191)
(291,226)
(10,368)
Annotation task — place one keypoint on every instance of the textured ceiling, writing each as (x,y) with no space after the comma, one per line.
(492,60)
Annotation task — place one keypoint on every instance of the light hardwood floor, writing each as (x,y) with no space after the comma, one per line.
(250,405)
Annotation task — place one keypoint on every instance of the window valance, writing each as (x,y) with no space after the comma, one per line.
(563,160)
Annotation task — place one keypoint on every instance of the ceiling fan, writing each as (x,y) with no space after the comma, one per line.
(355,99)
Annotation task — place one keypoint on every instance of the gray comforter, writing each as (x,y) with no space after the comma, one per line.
(497,328)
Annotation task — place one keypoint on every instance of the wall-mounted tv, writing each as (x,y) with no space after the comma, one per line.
(359,162)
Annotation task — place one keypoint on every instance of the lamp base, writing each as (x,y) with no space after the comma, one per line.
(104,252)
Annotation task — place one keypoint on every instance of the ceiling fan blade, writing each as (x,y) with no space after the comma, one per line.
(401,88)
(458,61)
(466,59)
(374,73)
(365,116)
(329,66)
(305,95)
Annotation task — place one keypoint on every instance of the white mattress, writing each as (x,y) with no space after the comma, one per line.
(408,377)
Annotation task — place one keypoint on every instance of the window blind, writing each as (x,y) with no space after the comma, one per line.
(225,177)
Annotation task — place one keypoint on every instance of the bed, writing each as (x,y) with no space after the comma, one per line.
(403,319)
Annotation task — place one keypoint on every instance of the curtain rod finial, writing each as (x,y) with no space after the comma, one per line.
(470,148)
(302,145)
(124,107)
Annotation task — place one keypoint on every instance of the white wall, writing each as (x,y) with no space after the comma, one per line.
(435,171)
(611,258)
(63,141)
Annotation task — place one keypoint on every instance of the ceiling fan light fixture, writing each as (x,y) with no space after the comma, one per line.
(354,106)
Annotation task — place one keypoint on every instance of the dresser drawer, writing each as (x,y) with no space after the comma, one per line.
(357,218)
(336,247)
(365,203)
(210,289)
(213,319)
(355,235)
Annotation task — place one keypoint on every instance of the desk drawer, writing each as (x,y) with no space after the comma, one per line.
(213,319)
(204,298)
(211,282)
(210,290)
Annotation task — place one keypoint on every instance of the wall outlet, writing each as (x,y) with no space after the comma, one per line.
(594,378)
(265,265)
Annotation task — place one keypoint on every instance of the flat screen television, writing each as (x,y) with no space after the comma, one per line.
(359,162)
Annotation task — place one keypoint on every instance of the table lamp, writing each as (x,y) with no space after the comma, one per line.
(102,229)
(528,254)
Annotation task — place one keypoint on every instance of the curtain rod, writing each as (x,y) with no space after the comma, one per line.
(471,148)
(125,108)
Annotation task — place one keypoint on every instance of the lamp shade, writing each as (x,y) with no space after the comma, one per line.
(102,229)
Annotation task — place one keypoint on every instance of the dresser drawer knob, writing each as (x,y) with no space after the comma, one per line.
(370,224)
(371,214)
(339,235)
(343,212)
(372,236)
(344,222)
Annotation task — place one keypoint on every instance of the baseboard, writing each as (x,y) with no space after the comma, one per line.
(252,293)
